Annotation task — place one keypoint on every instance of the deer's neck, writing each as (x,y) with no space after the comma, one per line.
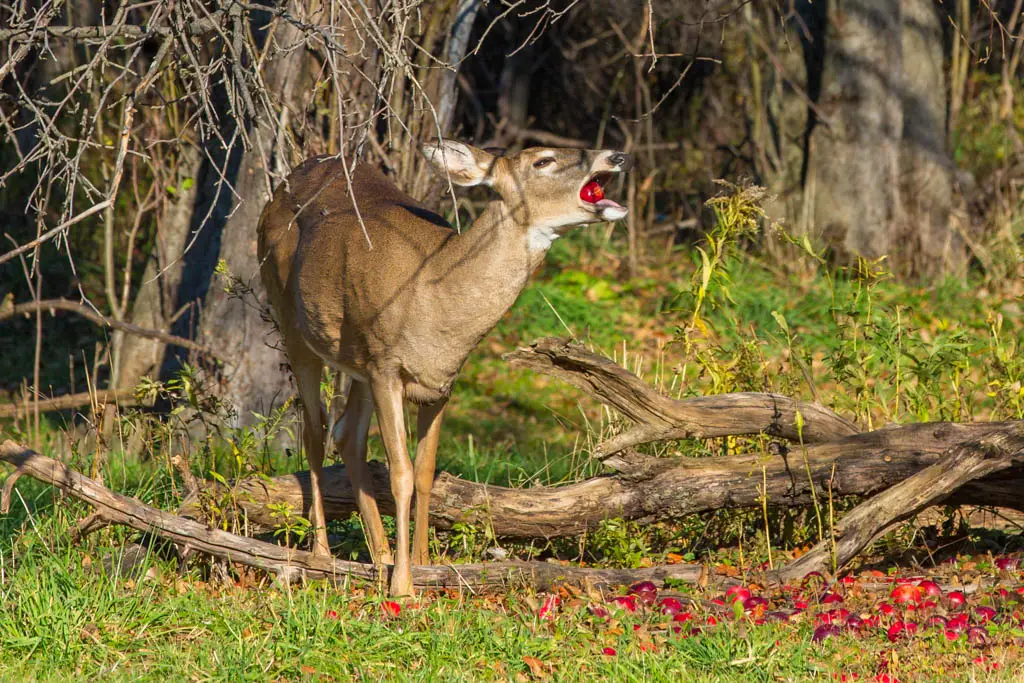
(481,273)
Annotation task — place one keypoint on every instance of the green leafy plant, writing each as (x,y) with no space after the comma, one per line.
(293,527)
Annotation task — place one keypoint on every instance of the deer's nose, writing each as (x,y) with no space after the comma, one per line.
(622,160)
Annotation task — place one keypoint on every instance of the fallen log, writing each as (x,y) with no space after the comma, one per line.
(966,462)
(920,465)
(660,488)
(1001,449)
(290,564)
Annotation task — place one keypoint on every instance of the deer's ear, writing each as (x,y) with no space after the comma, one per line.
(464,164)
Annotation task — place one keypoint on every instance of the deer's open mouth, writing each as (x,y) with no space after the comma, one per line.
(592,196)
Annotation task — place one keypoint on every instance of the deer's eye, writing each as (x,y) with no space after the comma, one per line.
(541,163)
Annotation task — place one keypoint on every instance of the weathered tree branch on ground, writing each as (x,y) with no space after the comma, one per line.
(963,463)
(996,449)
(288,563)
(92,316)
(659,417)
(861,464)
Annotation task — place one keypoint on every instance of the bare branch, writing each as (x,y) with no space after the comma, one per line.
(93,316)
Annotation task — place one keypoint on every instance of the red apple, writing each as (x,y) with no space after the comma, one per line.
(833,616)
(548,609)
(906,593)
(645,590)
(1008,564)
(976,635)
(955,598)
(753,602)
(736,593)
(854,623)
(669,606)
(592,192)
(824,632)
(625,602)
(957,623)
(901,629)
(984,614)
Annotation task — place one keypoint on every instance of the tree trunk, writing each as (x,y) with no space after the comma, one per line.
(157,301)
(224,218)
(866,171)
(854,148)
(931,247)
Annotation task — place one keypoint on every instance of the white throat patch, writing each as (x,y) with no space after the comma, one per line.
(540,237)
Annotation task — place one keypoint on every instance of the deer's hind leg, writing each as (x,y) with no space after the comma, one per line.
(307,368)
(350,437)
(428,427)
(387,400)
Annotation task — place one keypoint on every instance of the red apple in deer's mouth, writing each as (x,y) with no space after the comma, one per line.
(592,192)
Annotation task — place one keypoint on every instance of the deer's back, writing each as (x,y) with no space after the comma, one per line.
(337,278)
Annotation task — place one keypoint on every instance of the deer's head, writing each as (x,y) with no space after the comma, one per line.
(546,189)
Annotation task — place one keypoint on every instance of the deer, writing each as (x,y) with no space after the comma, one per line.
(366,280)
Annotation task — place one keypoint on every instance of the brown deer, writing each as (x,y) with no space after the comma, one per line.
(363,278)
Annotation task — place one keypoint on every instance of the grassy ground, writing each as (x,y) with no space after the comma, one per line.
(874,350)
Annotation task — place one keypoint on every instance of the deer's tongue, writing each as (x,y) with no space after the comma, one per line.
(607,204)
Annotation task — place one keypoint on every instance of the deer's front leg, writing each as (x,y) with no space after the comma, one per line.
(387,397)
(428,431)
